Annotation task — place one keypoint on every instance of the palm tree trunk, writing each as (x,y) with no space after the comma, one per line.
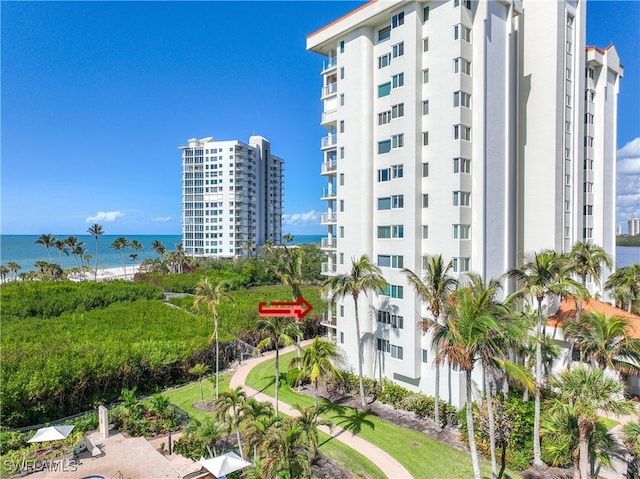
(492,427)
(436,402)
(239,443)
(584,453)
(537,454)
(277,375)
(215,325)
(360,379)
(315,402)
(471,430)
(95,275)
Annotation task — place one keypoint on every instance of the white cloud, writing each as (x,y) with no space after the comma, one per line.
(161,219)
(104,216)
(628,182)
(310,217)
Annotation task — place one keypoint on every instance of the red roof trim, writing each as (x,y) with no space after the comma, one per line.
(342,18)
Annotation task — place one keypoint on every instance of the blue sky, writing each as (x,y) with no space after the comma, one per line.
(97,97)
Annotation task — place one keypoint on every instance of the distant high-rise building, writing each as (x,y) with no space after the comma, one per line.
(618,230)
(633,226)
(479,130)
(231,196)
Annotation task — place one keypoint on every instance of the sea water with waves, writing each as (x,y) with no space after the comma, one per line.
(23,250)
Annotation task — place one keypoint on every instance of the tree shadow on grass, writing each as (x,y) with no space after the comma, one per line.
(349,419)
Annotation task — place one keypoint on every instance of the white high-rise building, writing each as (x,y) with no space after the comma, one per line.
(458,128)
(231,196)
(633,226)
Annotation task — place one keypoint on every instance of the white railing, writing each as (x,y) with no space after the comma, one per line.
(329,166)
(330,140)
(328,116)
(329,192)
(330,62)
(328,268)
(328,243)
(329,89)
(327,218)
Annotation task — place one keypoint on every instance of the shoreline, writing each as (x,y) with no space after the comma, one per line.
(108,274)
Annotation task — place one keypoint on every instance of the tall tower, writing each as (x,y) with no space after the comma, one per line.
(231,196)
(452,128)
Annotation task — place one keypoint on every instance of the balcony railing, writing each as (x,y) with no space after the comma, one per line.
(328,243)
(329,116)
(328,193)
(328,141)
(329,268)
(329,89)
(329,166)
(328,322)
(330,62)
(328,218)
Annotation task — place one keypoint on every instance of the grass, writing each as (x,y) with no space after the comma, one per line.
(185,396)
(609,423)
(421,455)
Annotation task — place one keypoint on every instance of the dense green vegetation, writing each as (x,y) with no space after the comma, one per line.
(626,240)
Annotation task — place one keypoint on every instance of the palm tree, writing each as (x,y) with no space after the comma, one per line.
(278,331)
(364,276)
(136,246)
(432,289)
(586,259)
(605,342)
(3,273)
(289,270)
(631,437)
(120,244)
(584,393)
(467,336)
(539,278)
(309,420)
(96,231)
(159,248)
(61,246)
(285,453)
(210,295)
(627,281)
(14,268)
(257,417)
(230,405)
(47,241)
(317,363)
(200,370)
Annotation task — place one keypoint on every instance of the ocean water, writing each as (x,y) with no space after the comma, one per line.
(23,249)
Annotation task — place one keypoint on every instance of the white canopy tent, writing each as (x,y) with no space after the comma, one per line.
(52,433)
(224,464)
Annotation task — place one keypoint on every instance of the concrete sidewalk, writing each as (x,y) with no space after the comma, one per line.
(389,466)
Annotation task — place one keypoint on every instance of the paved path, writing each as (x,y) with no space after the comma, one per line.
(389,466)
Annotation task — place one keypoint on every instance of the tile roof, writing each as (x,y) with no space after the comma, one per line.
(567,312)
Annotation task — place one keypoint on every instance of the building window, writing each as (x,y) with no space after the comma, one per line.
(397,20)
(569,74)
(384,33)
(341,337)
(425,138)
(461,198)
(590,73)
(342,46)
(425,13)
(393,291)
(567,206)
(465,3)
(396,352)
(588,164)
(341,179)
(425,170)
(384,89)
(461,98)
(425,200)
(384,174)
(425,356)
(342,311)
(390,261)
(384,60)
(397,201)
(567,153)
(590,95)
(384,232)
(588,118)
(342,206)
(383,345)
(397,171)
(588,187)
(588,210)
(567,232)
(384,118)
(588,141)
(570,20)
(461,165)
(567,180)
(461,231)
(425,107)
(461,265)
(342,152)
(341,126)
(463,32)
(384,146)
(397,80)
(425,75)
(569,46)
(341,73)
(425,44)
(397,110)
(461,65)
(384,203)
(425,231)
(397,141)
(397,50)
(587,233)
(567,126)
(462,132)
(397,231)
(341,231)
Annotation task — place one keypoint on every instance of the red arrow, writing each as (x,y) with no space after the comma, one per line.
(296,308)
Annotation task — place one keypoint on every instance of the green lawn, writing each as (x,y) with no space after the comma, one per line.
(422,456)
(184,397)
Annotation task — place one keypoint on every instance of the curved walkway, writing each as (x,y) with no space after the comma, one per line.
(387,464)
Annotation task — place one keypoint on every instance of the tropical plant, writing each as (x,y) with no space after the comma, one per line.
(61,246)
(210,295)
(159,248)
(120,244)
(47,241)
(631,437)
(309,420)
(432,289)
(230,405)
(278,331)
(539,278)
(75,248)
(200,370)
(14,268)
(285,453)
(585,393)
(625,284)
(364,276)
(468,336)
(587,259)
(96,231)
(3,273)
(316,362)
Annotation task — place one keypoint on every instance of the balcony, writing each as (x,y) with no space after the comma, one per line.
(329,167)
(329,117)
(329,141)
(329,63)
(328,218)
(328,322)
(328,194)
(329,268)
(328,243)
(330,89)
